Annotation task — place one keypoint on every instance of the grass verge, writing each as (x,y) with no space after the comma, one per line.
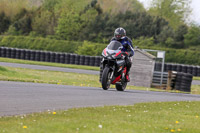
(54,77)
(50,77)
(49,64)
(196,78)
(157,117)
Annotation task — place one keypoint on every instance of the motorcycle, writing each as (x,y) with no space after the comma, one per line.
(114,66)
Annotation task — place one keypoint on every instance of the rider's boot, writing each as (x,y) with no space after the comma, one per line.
(127,77)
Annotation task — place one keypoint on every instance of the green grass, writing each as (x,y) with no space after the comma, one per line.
(51,77)
(159,117)
(196,78)
(49,64)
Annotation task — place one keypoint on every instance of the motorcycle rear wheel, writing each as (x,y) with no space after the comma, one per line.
(121,86)
(106,78)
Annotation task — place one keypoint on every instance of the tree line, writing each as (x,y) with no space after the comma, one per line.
(164,23)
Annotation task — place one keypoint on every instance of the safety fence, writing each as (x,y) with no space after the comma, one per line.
(46,56)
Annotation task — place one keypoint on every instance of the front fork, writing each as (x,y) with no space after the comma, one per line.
(112,73)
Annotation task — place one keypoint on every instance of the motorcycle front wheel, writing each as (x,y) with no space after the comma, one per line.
(106,81)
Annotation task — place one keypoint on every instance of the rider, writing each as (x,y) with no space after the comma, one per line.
(120,35)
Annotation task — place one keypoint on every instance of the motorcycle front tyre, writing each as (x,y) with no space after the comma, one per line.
(105,78)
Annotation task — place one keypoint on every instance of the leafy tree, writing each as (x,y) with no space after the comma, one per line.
(166,34)
(4,22)
(23,21)
(179,36)
(13,7)
(174,11)
(44,23)
(72,22)
(120,6)
(192,38)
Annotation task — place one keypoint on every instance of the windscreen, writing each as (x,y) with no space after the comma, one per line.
(114,45)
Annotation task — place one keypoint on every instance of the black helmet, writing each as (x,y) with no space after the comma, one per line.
(119,33)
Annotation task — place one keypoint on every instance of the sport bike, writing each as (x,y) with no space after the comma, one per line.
(114,66)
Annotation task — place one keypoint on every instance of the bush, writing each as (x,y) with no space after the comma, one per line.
(89,48)
(39,43)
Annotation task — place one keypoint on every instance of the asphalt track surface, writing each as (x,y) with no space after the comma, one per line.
(17,98)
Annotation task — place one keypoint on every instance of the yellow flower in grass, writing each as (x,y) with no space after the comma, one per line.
(177,122)
(179,130)
(54,113)
(172,130)
(24,127)
(197,116)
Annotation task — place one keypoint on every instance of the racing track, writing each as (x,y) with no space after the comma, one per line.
(18,98)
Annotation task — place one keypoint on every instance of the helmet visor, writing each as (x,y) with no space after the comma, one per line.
(118,36)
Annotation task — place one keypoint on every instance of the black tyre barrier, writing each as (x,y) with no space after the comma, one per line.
(179,68)
(72,59)
(37,55)
(22,55)
(42,56)
(18,52)
(47,56)
(27,54)
(169,67)
(67,58)
(62,58)
(0,51)
(57,57)
(194,71)
(97,61)
(82,60)
(87,60)
(198,71)
(183,81)
(52,57)
(3,52)
(174,67)
(32,55)
(177,87)
(77,59)
(189,69)
(92,61)
(8,52)
(184,69)
(13,53)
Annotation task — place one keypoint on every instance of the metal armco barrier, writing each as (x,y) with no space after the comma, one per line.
(191,69)
(47,56)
